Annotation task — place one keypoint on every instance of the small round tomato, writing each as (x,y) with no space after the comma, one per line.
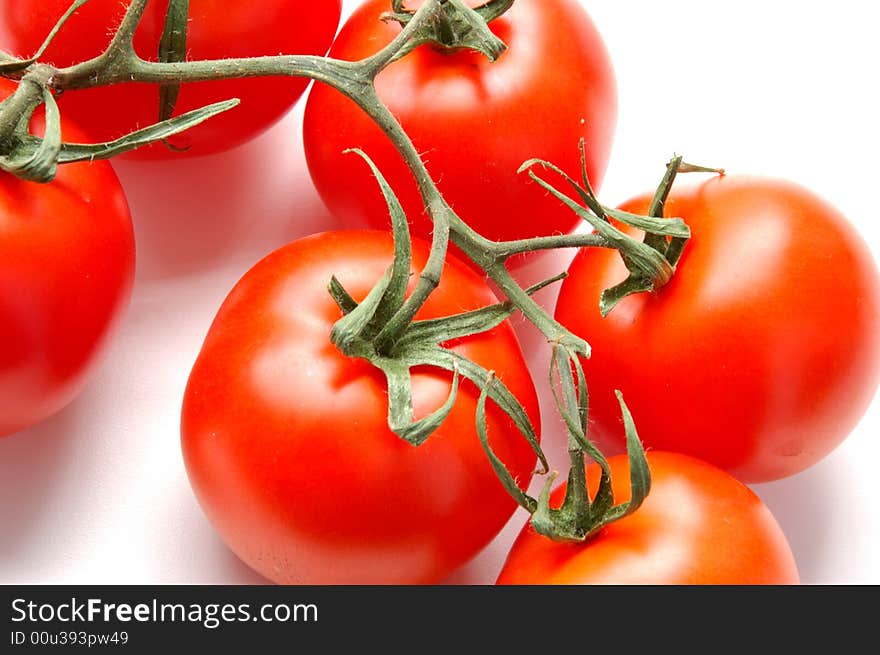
(217,29)
(66,271)
(761,354)
(699,525)
(474,121)
(287,444)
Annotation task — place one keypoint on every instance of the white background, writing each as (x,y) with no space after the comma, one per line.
(98,494)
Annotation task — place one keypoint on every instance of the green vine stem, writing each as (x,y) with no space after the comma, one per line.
(383,328)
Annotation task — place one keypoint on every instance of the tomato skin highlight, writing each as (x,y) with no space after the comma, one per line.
(698,526)
(474,121)
(286,440)
(217,29)
(761,354)
(66,271)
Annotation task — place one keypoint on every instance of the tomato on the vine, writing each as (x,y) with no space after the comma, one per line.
(66,271)
(699,525)
(217,29)
(761,354)
(286,440)
(474,121)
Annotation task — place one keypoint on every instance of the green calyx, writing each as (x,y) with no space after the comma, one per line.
(580,516)
(359,331)
(453,25)
(651,262)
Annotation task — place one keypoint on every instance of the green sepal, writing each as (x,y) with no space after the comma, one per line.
(340,296)
(500,395)
(573,402)
(501,471)
(400,406)
(154,133)
(632,285)
(545,519)
(492,9)
(661,227)
(639,472)
(395,293)
(39,164)
(578,512)
(449,328)
(75,152)
(604,497)
(346,333)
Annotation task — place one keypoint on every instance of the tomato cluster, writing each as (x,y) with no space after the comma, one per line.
(752,364)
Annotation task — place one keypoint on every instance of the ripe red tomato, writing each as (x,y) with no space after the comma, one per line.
(699,525)
(475,122)
(66,270)
(286,440)
(217,29)
(761,354)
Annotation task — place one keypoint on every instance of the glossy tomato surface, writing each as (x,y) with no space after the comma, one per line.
(762,353)
(217,29)
(475,122)
(66,271)
(698,525)
(286,440)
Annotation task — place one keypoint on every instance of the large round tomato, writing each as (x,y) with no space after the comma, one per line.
(286,440)
(217,29)
(761,354)
(66,270)
(699,525)
(475,122)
